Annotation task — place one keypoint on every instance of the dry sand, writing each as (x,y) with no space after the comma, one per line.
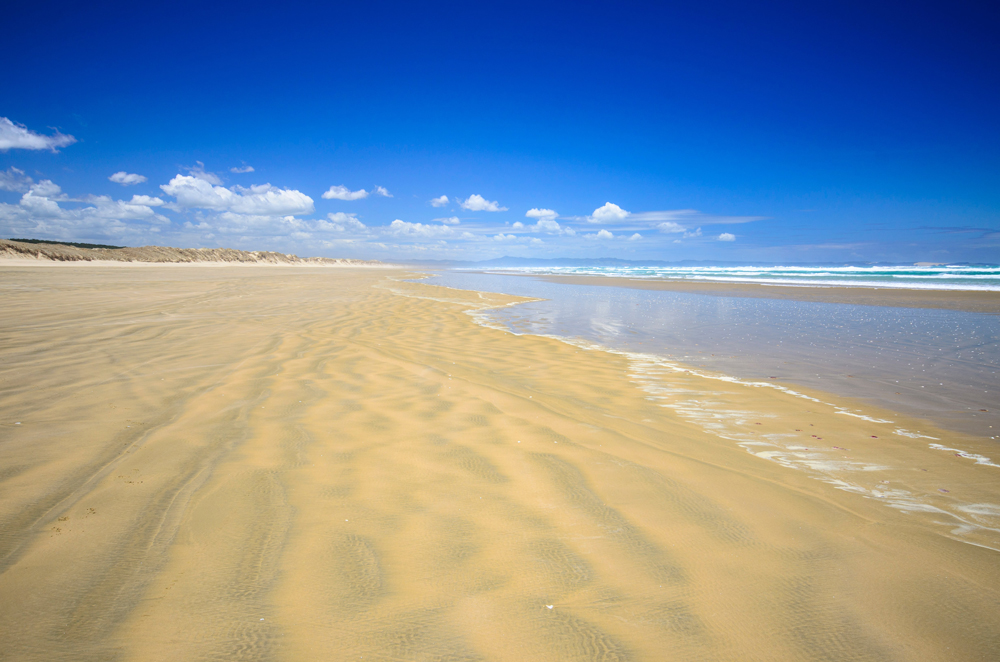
(300,464)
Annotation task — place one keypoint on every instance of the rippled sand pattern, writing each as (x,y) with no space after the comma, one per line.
(297,464)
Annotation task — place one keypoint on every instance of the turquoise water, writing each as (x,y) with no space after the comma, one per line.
(941,277)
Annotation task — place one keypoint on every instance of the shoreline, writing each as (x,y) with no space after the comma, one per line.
(802,350)
(964,300)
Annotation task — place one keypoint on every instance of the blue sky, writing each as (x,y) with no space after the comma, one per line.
(722,131)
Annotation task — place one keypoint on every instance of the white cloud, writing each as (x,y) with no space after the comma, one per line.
(451,220)
(550,226)
(39,212)
(47,189)
(670,226)
(504,237)
(518,225)
(241,170)
(477,202)
(603,234)
(261,224)
(542,214)
(263,199)
(383,191)
(119,209)
(344,193)
(608,213)
(18,136)
(199,172)
(404,229)
(725,236)
(439,201)
(146,201)
(341,222)
(690,235)
(635,237)
(691,217)
(15,180)
(127,179)
(665,215)
(468,235)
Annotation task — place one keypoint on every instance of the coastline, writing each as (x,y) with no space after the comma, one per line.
(335,463)
(964,300)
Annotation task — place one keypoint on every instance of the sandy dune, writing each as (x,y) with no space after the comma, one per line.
(13,253)
(317,464)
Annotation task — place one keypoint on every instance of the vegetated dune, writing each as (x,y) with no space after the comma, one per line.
(66,253)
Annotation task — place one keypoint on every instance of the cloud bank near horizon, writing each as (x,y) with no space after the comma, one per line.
(198,208)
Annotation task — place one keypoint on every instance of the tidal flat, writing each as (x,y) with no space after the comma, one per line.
(298,463)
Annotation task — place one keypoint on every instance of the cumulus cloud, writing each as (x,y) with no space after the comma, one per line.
(440,201)
(603,234)
(46,189)
(725,236)
(127,179)
(261,224)
(39,212)
(476,202)
(451,220)
(14,180)
(18,136)
(635,237)
(199,172)
(609,212)
(341,222)
(403,229)
(146,200)
(504,237)
(549,226)
(241,170)
(344,193)
(670,226)
(518,225)
(263,199)
(542,214)
(691,235)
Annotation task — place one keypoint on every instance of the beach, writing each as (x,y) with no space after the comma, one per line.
(970,301)
(298,463)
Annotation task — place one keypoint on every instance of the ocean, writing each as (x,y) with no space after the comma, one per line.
(938,277)
(940,365)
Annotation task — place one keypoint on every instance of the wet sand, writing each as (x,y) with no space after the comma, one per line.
(973,302)
(331,464)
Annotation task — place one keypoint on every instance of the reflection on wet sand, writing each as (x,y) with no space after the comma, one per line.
(279,463)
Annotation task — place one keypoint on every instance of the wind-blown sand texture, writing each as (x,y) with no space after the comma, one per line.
(333,464)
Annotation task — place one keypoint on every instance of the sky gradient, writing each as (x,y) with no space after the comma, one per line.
(725,131)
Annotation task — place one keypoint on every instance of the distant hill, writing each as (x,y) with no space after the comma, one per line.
(53,251)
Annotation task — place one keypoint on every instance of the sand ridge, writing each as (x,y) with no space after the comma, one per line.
(329,464)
